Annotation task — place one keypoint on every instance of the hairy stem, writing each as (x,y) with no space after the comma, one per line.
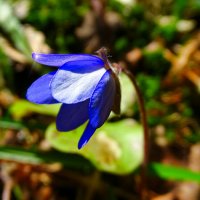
(143,116)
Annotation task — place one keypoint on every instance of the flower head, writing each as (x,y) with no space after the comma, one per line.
(86,85)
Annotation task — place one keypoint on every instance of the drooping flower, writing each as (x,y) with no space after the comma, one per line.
(86,85)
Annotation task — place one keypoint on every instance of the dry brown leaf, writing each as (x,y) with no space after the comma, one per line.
(6,98)
(21,8)
(184,64)
(185,53)
(11,52)
(134,55)
(36,40)
(193,77)
(187,191)
(172,97)
(168,196)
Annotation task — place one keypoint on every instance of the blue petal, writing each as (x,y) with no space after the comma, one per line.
(39,92)
(102,100)
(58,60)
(71,116)
(75,81)
(89,131)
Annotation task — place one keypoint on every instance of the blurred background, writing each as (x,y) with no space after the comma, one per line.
(159,42)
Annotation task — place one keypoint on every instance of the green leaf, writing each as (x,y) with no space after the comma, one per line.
(10,124)
(22,108)
(115,147)
(127,90)
(179,7)
(173,173)
(36,158)
(166,27)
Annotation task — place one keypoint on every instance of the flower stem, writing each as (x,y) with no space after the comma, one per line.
(144,190)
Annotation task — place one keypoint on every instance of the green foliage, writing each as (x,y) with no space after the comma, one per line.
(58,12)
(116,6)
(6,71)
(10,124)
(22,108)
(173,173)
(180,7)
(137,26)
(58,19)
(37,158)
(155,63)
(11,25)
(166,28)
(149,85)
(127,90)
(115,147)
(121,44)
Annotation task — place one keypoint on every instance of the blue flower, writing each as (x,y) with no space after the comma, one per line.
(86,85)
